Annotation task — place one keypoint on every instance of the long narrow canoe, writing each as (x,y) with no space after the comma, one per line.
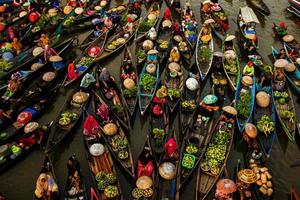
(68,118)
(209,172)
(266,140)
(118,144)
(158,132)
(145,95)
(128,71)
(193,146)
(204,53)
(242,91)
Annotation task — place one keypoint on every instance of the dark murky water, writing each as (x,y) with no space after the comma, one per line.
(19,182)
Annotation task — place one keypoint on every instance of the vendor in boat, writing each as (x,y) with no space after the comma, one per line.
(282,54)
(49,52)
(176,28)
(249,135)
(16,46)
(108,22)
(129,27)
(187,9)
(247,82)
(13,86)
(161,95)
(250,46)
(174,55)
(46,188)
(171,149)
(73,175)
(72,74)
(249,69)
(280,30)
(167,14)
(87,80)
(206,7)
(97,31)
(127,71)
(103,112)
(278,74)
(43,41)
(145,164)
(106,80)
(91,127)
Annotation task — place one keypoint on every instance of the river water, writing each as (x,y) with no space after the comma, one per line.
(18,183)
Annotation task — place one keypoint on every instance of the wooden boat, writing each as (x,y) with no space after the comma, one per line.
(122,153)
(48,169)
(266,140)
(35,108)
(71,192)
(68,117)
(186,52)
(204,62)
(166,186)
(164,39)
(175,5)
(246,22)
(158,131)
(113,97)
(146,24)
(232,73)
(128,70)
(192,31)
(174,85)
(193,146)
(145,158)
(242,120)
(22,146)
(145,95)
(85,60)
(260,6)
(123,36)
(188,105)
(294,7)
(221,22)
(207,177)
(100,166)
(288,123)
(294,194)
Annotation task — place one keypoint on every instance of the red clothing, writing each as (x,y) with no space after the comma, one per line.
(159,100)
(171,147)
(103,112)
(145,170)
(90,126)
(176,28)
(71,71)
(167,13)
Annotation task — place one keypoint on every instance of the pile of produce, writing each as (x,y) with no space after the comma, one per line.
(173,93)
(5,65)
(221,15)
(264,178)
(142,194)
(116,43)
(69,21)
(265,125)
(86,61)
(148,82)
(188,105)
(281,97)
(147,24)
(163,44)
(129,93)
(120,145)
(189,158)
(158,135)
(231,65)
(244,104)
(106,182)
(130,87)
(216,152)
(67,117)
(141,54)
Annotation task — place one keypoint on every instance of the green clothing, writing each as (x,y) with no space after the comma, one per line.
(249,70)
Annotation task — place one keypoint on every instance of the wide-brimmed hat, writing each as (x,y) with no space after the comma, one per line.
(192,84)
(174,66)
(67,9)
(290,67)
(48,76)
(167,23)
(52,12)
(251,130)
(210,99)
(55,59)
(281,63)
(94,51)
(97,8)
(218,54)
(298,61)
(153,51)
(30,127)
(288,38)
(80,97)
(110,129)
(226,186)
(262,99)
(206,1)
(229,109)
(144,182)
(209,21)
(103,3)
(167,170)
(128,83)
(37,51)
(97,149)
(247,80)
(177,38)
(22,14)
(36,66)
(229,38)
(79,10)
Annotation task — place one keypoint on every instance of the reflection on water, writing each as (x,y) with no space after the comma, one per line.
(19,181)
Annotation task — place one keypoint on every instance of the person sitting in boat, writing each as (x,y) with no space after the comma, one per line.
(87,80)
(187,9)
(176,29)
(49,52)
(91,127)
(46,188)
(16,46)
(167,14)
(106,80)
(136,8)
(14,84)
(280,30)
(97,31)
(115,18)
(249,69)
(128,28)
(72,3)
(161,95)
(103,112)
(71,71)
(282,54)
(108,22)
(250,46)
(171,149)
(206,7)
(43,41)
(145,164)
(127,71)
(73,176)
(152,34)
(278,74)
(249,135)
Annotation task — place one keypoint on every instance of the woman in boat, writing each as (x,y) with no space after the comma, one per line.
(43,41)
(71,71)
(278,74)
(91,127)
(171,149)
(14,84)
(206,8)
(97,31)
(87,80)
(145,164)
(249,69)
(176,28)
(49,52)
(249,135)
(106,79)
(127,71)
(16,46)
(73,176)
(280,30)
(46,188)
(188,10)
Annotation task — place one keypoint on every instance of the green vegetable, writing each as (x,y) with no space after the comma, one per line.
(145,26)
(265,124)
(188,104)
(111,191)
(204,54)
(173,93)
(192,149)
(148,82)
(158,135)
(129,93)
(243,105)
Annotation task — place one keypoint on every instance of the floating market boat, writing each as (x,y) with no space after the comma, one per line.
(265,118)
(159,130)
(231,63)
(147,22)
(85,60)
(260,6)
(148,81)
(216,155)
(166,176)
(294,7)
(185,50)
(17,150)
(204,51)
(114,136)
(129,77)
(245,101)
(72,190)
(113,97)
(68,117)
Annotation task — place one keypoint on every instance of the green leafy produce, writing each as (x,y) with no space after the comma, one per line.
(137,193)
(123,154)
(68,22)
(205,54)
(129,93)
(158,135)
(141,54)
(111,191)
(243,105)
(188,161)
(188,104)
(173,93)
(5,65)
(85,61)
(231,66)
(148,82)
(192,149)
(117,109)
(265,124)
(111,178)
(145,25)
(286,114)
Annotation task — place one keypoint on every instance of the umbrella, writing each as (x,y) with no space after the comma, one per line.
(192,84)
(174,66)
(288,38)
(208,21)
(144,182)
(247,176)
(226,186)
(167,170)
(97,149)
(229,38)
(281,63)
